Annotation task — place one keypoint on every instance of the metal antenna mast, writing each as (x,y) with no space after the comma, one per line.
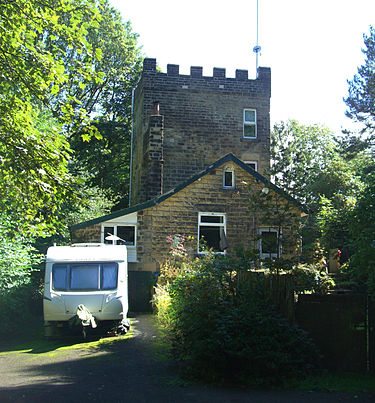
(257,48)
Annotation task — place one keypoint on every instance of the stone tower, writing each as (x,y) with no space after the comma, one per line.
(184,123)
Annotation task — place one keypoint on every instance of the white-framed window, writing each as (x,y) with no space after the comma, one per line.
(250,123)
(228,178)
(269,243)
(211,233)
(127,233)
(252,164)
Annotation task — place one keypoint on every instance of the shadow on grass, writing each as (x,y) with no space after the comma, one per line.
(112,369)
(31,339)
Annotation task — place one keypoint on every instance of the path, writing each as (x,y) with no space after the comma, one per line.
(127,371)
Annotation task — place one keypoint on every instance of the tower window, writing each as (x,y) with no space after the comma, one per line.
(252,164)
(250,123)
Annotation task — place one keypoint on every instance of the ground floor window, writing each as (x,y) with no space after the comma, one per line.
(126,233)
(211,233)
(269,242)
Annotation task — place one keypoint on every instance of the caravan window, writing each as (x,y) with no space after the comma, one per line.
(59,277)
(84,276)
(109,280)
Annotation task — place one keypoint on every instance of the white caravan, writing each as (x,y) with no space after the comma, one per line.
(92,275)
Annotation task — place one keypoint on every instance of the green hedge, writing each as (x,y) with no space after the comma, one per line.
(223,329)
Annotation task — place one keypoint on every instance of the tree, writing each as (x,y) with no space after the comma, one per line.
(17,256)
(117,66)
(308,162)
(107,159)
(299,154)
(34,178)
(362,230)
(361,97)
(89,203)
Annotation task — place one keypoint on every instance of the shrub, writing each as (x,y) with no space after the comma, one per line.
(310,277)
(20,307)
(20,292)
(226,329)
(161,302)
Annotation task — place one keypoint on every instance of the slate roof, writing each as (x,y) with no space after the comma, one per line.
(183,185)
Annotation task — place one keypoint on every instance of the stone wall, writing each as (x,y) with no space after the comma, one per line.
(203,121)
(179,214)
(87,235)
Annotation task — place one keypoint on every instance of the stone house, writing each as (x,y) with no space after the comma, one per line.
(200,150)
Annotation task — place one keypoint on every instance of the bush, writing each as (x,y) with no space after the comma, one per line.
(20,307)
(310,277)
(161,301)
(226,329)
(20,290)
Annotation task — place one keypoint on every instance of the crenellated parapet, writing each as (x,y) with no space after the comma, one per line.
(217,82)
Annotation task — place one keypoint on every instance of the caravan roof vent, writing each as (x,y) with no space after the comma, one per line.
(87,245)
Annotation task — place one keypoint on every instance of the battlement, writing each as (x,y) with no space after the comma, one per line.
(196,81)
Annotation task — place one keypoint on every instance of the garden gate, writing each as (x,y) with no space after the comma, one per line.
(342,327)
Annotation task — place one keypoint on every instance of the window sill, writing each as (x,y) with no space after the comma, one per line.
(201,254)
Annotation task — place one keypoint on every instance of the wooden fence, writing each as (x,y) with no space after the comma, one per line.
(341,326)
(278,287)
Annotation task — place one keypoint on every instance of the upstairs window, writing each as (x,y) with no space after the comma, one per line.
(252,164)
(228,178)
(250,123)
(211,233)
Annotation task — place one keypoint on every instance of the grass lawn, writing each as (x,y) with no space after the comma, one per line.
(32,341)
(338,382)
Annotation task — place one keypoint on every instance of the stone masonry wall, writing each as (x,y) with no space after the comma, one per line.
(149,173)
(203,120)
(87,235)
(179,214)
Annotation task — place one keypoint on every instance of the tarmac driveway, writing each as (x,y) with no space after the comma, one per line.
(129,370)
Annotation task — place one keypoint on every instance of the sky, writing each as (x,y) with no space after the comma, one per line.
(312,47)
